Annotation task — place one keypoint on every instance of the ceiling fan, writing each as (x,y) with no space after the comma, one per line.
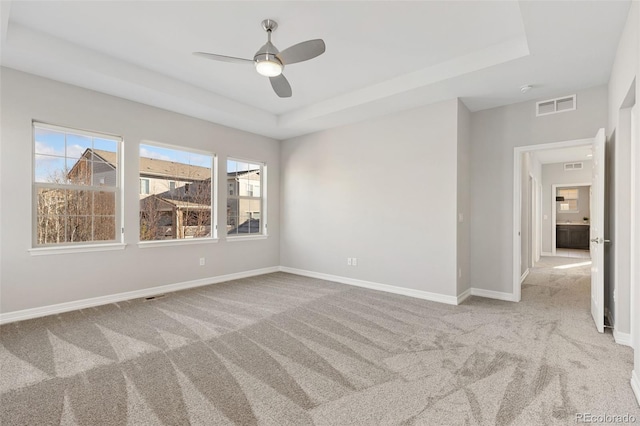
(270,62)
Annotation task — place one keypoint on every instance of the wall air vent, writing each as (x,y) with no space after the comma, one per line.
(553,106)
(572,166)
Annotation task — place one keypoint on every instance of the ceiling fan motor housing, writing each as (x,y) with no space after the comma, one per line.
(267,52)
(265,58)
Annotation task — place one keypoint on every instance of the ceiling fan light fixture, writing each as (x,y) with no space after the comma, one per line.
(269,68)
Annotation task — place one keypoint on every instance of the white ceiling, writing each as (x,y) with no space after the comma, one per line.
(381,57)
(564,155)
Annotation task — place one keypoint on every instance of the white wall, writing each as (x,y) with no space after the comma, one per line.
(383,191)
(626,68)
(495,133)
(524,215)
(34,281)
(464,197)
(555,174)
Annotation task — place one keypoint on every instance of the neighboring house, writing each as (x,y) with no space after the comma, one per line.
(175,198)
(104,168)
(243,202)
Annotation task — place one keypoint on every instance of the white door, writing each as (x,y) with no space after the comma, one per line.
(597,232)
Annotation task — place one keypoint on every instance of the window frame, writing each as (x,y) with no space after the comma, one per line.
(78,246)
(147,186)
(213,238)
(263,200)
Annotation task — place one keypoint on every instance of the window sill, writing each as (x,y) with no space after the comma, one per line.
(247,238)
(180,242)
(85,248)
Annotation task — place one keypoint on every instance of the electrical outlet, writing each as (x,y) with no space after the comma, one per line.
(459,272)
(354,261)
(348,261)
(202,261)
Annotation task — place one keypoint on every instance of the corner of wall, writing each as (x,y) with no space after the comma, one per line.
(463,174)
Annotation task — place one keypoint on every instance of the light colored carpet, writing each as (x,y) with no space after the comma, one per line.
(287,350)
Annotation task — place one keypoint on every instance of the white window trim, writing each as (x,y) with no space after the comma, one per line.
(77,247)
(177,242)
(247,237)
(263,202)
(148,185)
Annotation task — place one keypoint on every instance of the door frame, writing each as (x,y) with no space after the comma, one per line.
(634,291)
(518,151)
(554,208)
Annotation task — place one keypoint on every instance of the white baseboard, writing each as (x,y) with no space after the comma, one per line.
(622,338)
(635,385)
(524,276)
(119,297)
(493,294)
(546,253)
(434,297)
(464,296)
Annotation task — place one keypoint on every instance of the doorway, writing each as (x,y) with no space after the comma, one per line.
(532,234)
(570,219)
(529,159)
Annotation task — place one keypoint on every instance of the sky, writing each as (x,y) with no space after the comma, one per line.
(57,152)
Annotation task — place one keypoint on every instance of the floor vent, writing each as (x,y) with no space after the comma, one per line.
(159,296)
(573,166)
(554,106)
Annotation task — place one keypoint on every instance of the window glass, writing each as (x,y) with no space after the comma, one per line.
(176,201)
(76,186)
(245,201)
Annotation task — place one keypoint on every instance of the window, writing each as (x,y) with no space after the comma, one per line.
(76,186)
(245,202)
(569,200)
(180,202)
(144,186)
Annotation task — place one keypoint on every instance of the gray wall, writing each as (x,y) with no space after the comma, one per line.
(555,174)
(495,133)
(464,197)
(34,281)
(383,191)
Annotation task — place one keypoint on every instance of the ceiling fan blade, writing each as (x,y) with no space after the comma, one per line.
(223,58)
(281,86)
(302,51)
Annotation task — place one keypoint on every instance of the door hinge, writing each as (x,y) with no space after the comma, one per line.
(122,230)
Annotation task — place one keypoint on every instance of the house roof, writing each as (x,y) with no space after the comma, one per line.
(243,173)
(250,226)
(178,203)
(163,168)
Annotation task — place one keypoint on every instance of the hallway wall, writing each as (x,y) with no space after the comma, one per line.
(495,132)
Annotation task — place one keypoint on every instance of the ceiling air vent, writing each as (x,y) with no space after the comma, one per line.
(553,106)
(572,166)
